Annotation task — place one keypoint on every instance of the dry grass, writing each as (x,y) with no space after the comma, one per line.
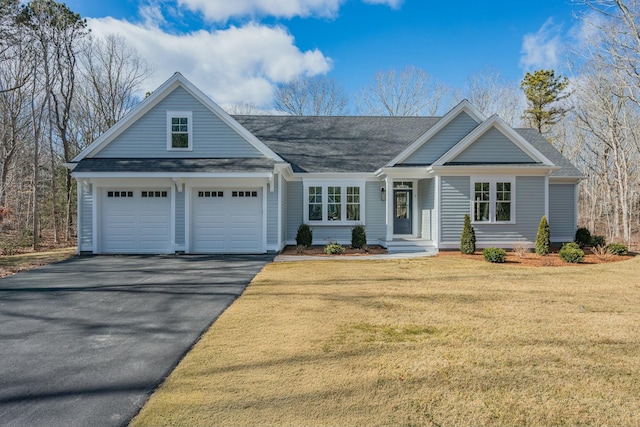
(10,264)
(439,341)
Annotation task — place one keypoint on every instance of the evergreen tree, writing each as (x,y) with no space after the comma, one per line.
(542,238)
(468,237)
(543,91)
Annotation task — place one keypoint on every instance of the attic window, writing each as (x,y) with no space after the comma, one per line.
(179,130)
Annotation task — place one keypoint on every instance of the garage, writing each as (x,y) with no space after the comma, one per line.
(227,220)
(136,220)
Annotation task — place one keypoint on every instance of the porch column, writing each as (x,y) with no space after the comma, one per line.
(389,203)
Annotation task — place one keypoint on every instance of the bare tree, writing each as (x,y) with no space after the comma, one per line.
(409,92)
(491,94)
(310,96)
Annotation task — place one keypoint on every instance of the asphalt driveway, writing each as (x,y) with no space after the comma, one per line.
(84,342)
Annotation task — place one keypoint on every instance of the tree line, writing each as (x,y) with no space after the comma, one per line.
(61,87)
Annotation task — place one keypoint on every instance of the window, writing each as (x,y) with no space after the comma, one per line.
(244,194)
(153,194)
(334,213)
(315,204)
(492,201)
(353,203)
(179,134)
(334,204)
(210,193)
(119,193)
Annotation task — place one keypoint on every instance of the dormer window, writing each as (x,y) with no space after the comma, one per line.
(179,130)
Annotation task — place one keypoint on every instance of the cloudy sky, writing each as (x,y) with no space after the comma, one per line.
(237,50)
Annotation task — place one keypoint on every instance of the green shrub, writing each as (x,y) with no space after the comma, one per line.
(617,249)
(583,237)
(304,237)
(542,238)
(358,237)
(494,254)
(571,252)
(468,237)
(334,249)
(597,241)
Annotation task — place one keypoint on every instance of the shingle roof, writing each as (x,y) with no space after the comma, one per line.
(337,143)
(359,143)
(174,165)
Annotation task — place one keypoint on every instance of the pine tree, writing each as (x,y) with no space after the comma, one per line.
(542,238)
(543,91)
(468,237)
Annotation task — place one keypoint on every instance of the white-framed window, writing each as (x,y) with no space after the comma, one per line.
(493,200)
(179,130)
(334,204)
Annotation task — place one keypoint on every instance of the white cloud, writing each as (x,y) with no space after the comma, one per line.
(542,48)
(393,4)
(232,65)
(222,10)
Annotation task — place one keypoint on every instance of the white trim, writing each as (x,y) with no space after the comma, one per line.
(464,106)
(264,218)
(546,197)
(172,226)
(176,175)
(414,208)
(80,201)
(187,218)
(280,179)
(493,122)
(537,170)
(180,114)
(343,202)
(492,180)
(175,81)
(96,194)
(565,179)
(436,221)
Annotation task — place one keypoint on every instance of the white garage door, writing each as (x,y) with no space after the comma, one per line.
(136,221)
(227,221)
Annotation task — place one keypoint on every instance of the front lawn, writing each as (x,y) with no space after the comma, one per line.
(432,341)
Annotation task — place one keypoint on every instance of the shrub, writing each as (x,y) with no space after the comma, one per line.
(601,252)
(617,249)
(542,238)
(358,237)
(494,254)
(468,237)
(304,237)
(597,241)
(571,252)
(521,248)
(583,237)
(334,249)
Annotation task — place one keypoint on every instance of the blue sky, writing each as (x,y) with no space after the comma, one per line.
(237,50)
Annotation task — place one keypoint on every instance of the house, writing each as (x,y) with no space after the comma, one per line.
(178,174)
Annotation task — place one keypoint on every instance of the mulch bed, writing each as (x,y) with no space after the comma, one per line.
(319,251)
(533,260)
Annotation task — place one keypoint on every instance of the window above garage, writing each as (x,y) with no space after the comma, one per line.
(179,130)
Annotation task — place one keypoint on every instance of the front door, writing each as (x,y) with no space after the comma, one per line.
(402,222)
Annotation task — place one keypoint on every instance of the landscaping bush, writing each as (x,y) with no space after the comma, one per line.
(617,249)
(597,241)
(334,249)
(494,254)
(304,237)
(468,237)
(358,237)
(542,238)
(571,252)
(583,237)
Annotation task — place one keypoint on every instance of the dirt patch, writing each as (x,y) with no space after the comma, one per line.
(533,260)
(319,251)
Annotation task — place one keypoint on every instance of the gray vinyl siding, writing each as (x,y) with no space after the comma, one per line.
(530,206)
(562,212)
(272,214)
(442,141)
(492,146)
(375,213)
(295,193)
(426,205)
(147,136)
(284,200)
(454,202)
(86,218)
(180,220)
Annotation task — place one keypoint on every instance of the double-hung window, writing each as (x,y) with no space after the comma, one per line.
(492,200)
(334,204)
(179,130)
